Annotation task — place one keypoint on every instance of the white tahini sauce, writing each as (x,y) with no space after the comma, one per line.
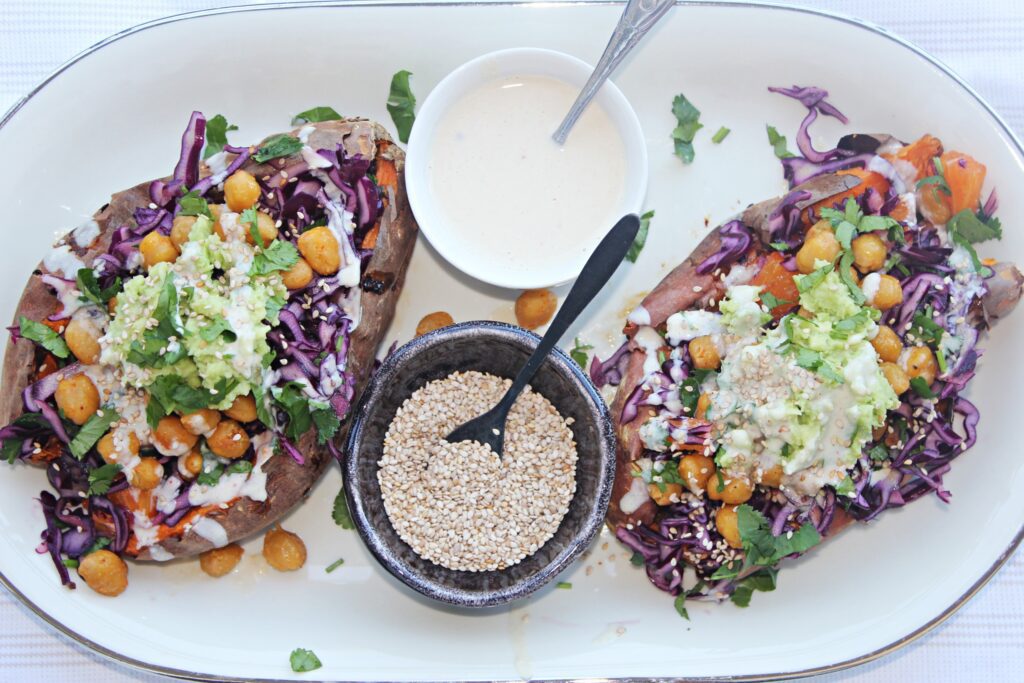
(212,531)
(502,181)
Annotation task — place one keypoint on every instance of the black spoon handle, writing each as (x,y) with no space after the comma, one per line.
(596,272)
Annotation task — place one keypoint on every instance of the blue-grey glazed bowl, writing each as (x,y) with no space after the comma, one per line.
(499,349)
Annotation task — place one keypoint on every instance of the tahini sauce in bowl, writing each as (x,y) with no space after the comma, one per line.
(495,195)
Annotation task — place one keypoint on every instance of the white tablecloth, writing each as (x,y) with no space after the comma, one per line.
(982,40)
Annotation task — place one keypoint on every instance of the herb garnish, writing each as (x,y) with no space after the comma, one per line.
(679,603)
(402,104)
(280,255)
(334,565)
(155,349)
(192,204)
(303,660)
(687,125)
(641,237)
(100,478)
(277,146)
(217,135)
(315,115)
(778,143)
(921,388)
(720,135)
(564,585)
(938,180)
(579,353)
(95,427)
(170,393)
(342,517)
(251,218)
(12,445)
(44,336)
(90,289)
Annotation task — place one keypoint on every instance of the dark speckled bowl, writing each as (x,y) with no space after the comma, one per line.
(499,349)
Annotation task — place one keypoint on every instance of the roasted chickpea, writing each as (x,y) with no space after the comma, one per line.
(228,440)
(319,247)
(83,340)
(111,451)
(171,438)
(669,495)
(241,191)
(735,490)
(822,245)
(535,307)
(896,377)
(869,252)
(201,422)
(283,550)
(192,464)
(704,353)
(889,293)
(104,572)
(148,474)
(821,226)
(695,471)
(243,409)
(771,477)
(703,403)
(180,229)
(112,305)
(433,321)
(221,561)
(156,248)
(265,226)
(920,362)
(727,523)
(78,398)
(298,276)
(887,344)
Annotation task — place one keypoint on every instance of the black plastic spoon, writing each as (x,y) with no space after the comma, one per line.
(489,428)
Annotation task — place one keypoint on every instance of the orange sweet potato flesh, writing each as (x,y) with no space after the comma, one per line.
(778,281)
(965,177)
(868,179)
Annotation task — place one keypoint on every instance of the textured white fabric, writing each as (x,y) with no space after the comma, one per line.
(983,41)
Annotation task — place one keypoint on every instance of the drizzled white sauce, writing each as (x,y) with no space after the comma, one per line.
(211,530)
(648,339)
(869,285)
(60,260)
(85,233)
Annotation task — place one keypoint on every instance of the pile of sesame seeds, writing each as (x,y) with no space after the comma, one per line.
(460,505)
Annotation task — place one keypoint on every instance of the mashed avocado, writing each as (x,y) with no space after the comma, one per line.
(804,396)
(204,318)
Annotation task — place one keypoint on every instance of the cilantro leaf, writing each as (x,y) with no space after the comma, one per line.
(170,393)
(155,349)
(579,353)
(294,402)
(924,327)
(402,104)
(763,548)
(779,246)
(720,135)
(277,146)
(878,453)
(938,180)
(342,517)
(921,388)
(973,228)
(846,275)
(250,217)
(90,289)
(845,487)
(217,135)
(641,237)
(679,604)
(637,560)
(687,125)
(771,302)
(315,115)
(280,255)
(304,660)
(220,326)
(778,143)
(762,580)
(212,476)
(193,205)
(100,478)
(95,427)
(806,283)
(327,423)
(239,467)
(12,444)
(845,233)
(44,336)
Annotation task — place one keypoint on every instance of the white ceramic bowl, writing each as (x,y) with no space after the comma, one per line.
(478,258)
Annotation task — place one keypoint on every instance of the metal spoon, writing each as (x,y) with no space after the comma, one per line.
(637,19)
(489,428)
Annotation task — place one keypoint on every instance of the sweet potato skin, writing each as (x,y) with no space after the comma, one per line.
(288,482)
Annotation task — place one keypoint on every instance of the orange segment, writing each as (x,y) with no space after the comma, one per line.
(778,282)
(919,154)
(965,177)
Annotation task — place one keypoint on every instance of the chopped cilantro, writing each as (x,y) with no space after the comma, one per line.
(680,604)
(315,115)
(878,453)
(637,560)
(100,478)
(212,476)
(779,246)
(44,336)
(689,395)
(763,580)
(280,255)
(170,393)
(327,423)
(251,218)
(813,279)
(778,143)
(239,467)
(342,517)
(12,445)
(921,388)
(924,327)
(219,326)
(771,302)
(90,289)
(974,227)
(641,237)
(304,660)
(277,146)
(95,427)
(846,275)
(402,104)
(579,353)
(687,125)
(192,204)
(845,487)
(155,349)
(217,129)
(938,180)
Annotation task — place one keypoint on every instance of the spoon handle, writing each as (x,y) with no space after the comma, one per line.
(596,272)
(637,19)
